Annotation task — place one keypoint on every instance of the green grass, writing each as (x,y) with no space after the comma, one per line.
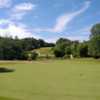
(44,51)
(51,80)
(5,98)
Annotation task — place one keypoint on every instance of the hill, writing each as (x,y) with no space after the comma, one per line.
(45,51)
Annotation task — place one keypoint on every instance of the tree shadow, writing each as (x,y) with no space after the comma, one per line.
(6,70)
(7,98)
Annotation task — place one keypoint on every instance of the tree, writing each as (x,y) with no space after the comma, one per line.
(95,30)
(59,52)
(83,50)
(30,55)
(15,49)
(75,48)
(94,47)
(61,48)
(64,42)
(94,43)
(68,50)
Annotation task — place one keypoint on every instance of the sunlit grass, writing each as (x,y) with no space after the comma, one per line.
(77,79)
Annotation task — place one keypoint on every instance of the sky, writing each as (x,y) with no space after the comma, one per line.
(49,19)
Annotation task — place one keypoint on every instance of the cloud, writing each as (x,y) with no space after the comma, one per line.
(12,27)
(15,29)
(5,3)
(63,20)
(23,7)
(20,10)
(81,35)
(3,21)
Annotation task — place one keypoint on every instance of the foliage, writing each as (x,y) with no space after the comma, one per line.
(83,50)
(75,48)
(94,43)
(14,49)
(61,48)
(65,47)
(58,52)
(19,49)
(94,47)
(95,30)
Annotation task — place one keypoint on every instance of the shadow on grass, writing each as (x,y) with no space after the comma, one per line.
(7,98)
(6,70)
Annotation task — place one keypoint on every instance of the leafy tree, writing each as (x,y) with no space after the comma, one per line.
(29,55)
(94,47)
(59,52)
(61,48)
(13,49)
(63,41)
(75,48)
(68,50)
(94,43)
(83,50)
(95,30)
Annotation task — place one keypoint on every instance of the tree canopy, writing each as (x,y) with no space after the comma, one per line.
(13,49)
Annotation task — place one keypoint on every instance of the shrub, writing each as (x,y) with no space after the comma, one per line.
(59,53)
(34,55)
(29,55)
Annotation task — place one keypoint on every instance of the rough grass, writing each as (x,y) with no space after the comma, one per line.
(51,80)
(44,51)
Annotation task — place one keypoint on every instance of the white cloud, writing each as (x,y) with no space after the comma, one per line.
(4,21)
(24,7)
(65,19)
(5,3)
(15,29)
(20,10)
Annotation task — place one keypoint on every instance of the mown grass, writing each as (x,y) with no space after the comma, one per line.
(51,80)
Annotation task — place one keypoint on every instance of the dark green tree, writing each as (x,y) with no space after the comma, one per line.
(62,47)
(94,46)
(95,30)
(94,43)
(83,49)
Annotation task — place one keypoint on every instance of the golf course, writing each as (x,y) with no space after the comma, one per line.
(77,79)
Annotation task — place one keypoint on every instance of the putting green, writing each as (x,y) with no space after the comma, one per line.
(51,80)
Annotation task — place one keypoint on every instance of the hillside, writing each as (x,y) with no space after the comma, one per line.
(44,51)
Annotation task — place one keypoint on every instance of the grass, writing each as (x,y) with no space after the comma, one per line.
(5,98)
(44,51)
(51,80)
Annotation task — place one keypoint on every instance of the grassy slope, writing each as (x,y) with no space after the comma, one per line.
(44,51)
(51,80)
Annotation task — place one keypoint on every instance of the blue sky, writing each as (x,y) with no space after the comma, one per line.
(49,19)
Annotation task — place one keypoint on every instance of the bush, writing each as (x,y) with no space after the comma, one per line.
(29,56)
(34,55)
(59,53)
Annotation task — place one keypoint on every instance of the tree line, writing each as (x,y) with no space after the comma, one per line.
(91,48)
(23,49)
(19,49)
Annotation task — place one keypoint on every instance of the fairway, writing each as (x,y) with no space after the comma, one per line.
(51,80)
